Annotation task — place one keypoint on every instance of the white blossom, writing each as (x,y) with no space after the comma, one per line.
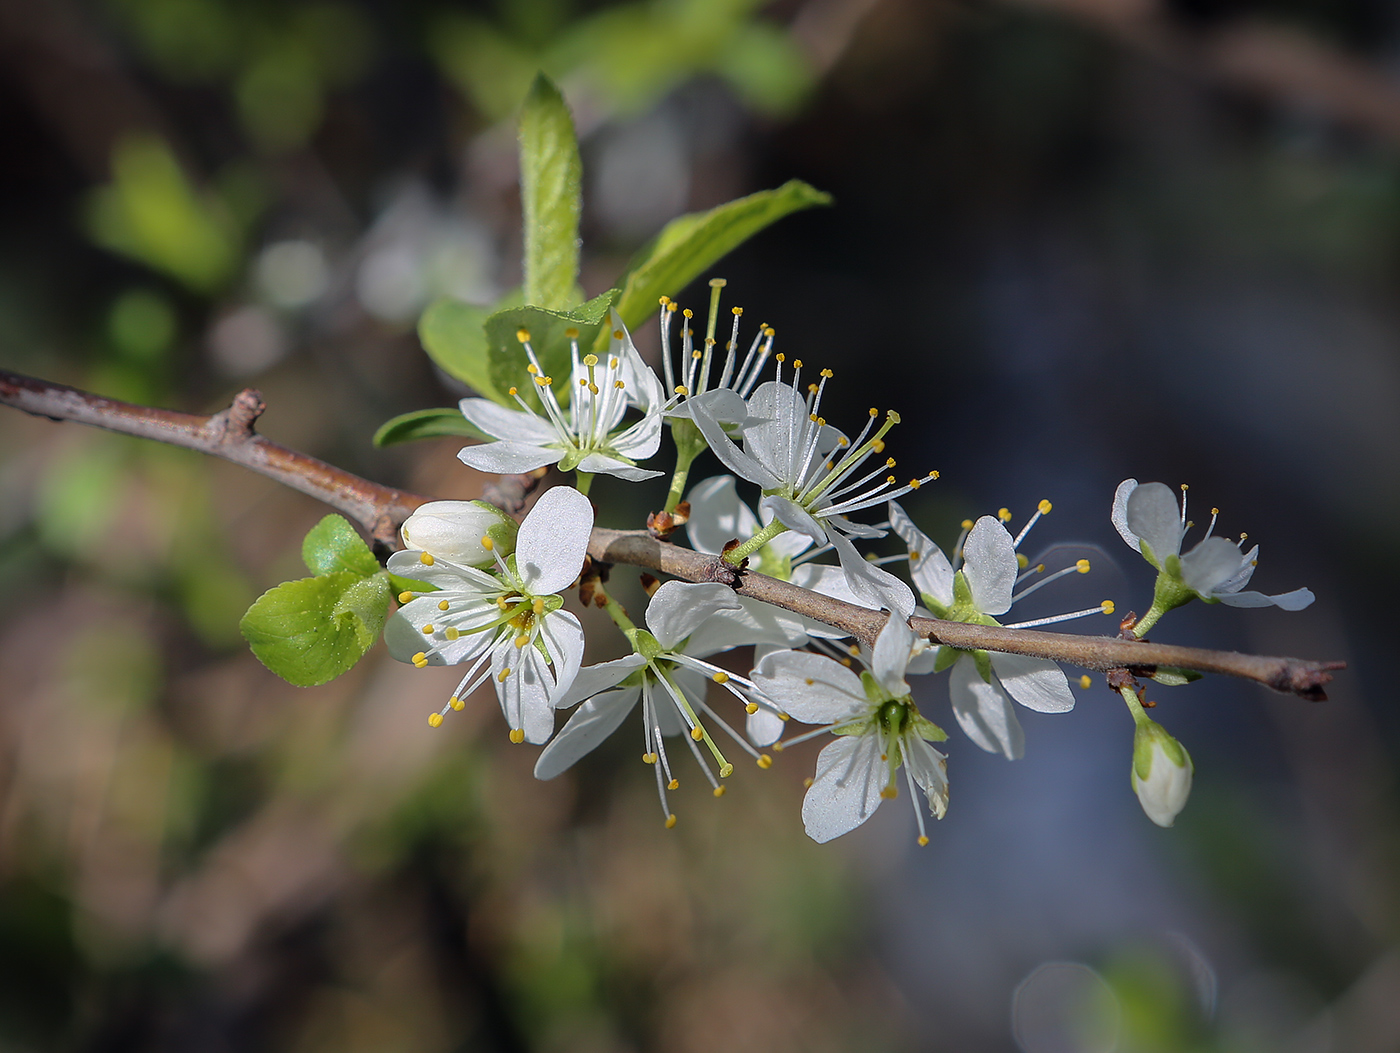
(1216,570)
(1161,773)
(878,729)
(458,531)
(507,624)
(982,684)
(668,674)
(589,436)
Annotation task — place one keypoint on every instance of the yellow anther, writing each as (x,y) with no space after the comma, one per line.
(542,382)
(538,605)
(487,543)
(425,558)
(670,820)
(697,355)
(967,524)
(664,301)
(889,793)
(420,660)
(521,640)
(671,307)
(674,784)
(812,417)
(452,633)
(619,384)
(777,747)
(456,703)
(765,761)
(1040,568)
(847,662)
(821,421)
(843,442)
(719,791)
(501,602)
(688,313)
(428,630)
(853,649)
(915,483)
(1022,561)
(571,333)
(503,675)
(648,758)
(934,474)
(443,605)
(889,480)
(1185,487)
(1107,606)
(736,311)
(721,677)
(1215,511)
(797,363)
(878,445)
(1082,565)
(780,357)
(513,392)
(617,334)
(923,840)
(751,708)
(874,412)
(710,341)
(726,770)
(681,389)
(592,388)
(828,374)
(523,335)
(1086,681)
(434,720)
(1044,507)
(1243,536)
(517,735)
(697,733)
(1004,514)
(404,597)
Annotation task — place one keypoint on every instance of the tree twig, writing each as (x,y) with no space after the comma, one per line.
(381,509)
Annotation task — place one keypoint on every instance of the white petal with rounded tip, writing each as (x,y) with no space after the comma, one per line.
(753,622)
(984,712)
(928,566)
(890,657)
(794,517)
(772,442)
(1288,601)
(871,585)
(553,540)
(508,458)
(846,790)
(591,723)
(523,687)
(1238,580)
(763,726)
(679,608)
(501,422)
(1036,683)
(563,638)
(602,464)
(717,516)
(742,464)
(1213,561)
(810,687)
(595,679)
(1120,513)
(989,564)
(722,404)
(930,771)
(1155,517)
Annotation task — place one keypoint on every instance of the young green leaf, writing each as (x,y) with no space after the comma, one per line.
(310,631)
(548,338)
(332,545)
(426,424)
(551,176)
(452,334)
(689,244)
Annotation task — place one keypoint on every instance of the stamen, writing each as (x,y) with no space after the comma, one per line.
(1106,607)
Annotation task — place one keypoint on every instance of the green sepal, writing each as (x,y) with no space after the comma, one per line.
(551,178)
(947,656)
(928,730)
(1173,677)
(453,335)
(689,244)
(852,729)
(1149,734)
(934,607)
(332,545)
(1148,554)
(962,592)
(401,585)
(873,690)
(312,630)
(427,424)
(984,665)
(645,644)
(508,361)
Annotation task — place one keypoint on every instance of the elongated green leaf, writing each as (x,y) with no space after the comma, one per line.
(332,545)
(310,631)
(551,176)
(548,338)
(426,424)
(452,334)
(690,243)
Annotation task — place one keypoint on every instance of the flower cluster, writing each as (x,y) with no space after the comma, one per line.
(492,594)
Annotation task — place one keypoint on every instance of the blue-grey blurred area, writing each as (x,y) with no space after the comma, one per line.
(1074,241)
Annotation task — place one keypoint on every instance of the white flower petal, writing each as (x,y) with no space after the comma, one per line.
(553,540)
(753,622)
(846,790)
(679,608)
(668,716)
(508,458)
(501,422)
(829,581)
(403,635)
(736,460)
(984,712)
(590,724)
(778,442)
(1155,517)
(989,564)
(794,517)
(443,574)
(930,771)
(595,679)
(871,585)
(641,440)
(928,566)
(810,687)
(763,726)
(523,687)
(890,657)
(1213,561)
(1120,513)
(563,638)
(602,464)
(1036,683)
(1288,601)
(717,516)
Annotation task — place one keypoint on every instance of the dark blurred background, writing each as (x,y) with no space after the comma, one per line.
(1073,241)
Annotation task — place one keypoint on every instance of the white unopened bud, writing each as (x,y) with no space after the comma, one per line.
(1161,772)
(454,531)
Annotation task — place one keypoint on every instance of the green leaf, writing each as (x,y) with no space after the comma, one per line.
(311,631)
(1173,677)
(452,334)
(690,243)
(426,424)
(332,546)
(551,176)
(548,338)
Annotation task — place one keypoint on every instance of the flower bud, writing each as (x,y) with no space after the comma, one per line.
(1161,772)
(453,530)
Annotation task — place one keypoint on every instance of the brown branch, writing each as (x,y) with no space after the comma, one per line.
(230,435)
(381,509)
